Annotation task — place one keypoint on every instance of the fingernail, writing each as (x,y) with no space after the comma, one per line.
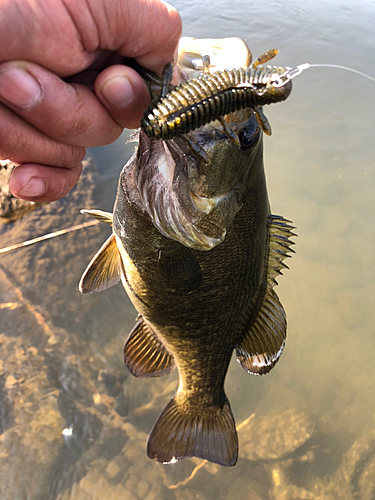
(35,187)
(118,92)
(19,88)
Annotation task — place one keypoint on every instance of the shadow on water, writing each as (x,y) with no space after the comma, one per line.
(74,423)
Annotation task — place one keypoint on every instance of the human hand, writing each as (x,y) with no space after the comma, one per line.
(47,119)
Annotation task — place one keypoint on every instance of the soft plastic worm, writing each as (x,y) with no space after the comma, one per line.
(211,96)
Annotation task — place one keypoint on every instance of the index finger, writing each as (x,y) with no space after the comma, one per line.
(147,30)
(160,45)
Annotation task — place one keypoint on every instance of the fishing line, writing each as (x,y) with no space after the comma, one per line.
(337,66)
(48,236)
(293,72)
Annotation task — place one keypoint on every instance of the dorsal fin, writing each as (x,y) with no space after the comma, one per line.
(279,231)
(263,342)
(144,354)
(101,216)
(104,270)
(262,345)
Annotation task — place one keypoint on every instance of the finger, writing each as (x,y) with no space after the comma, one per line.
(147,30)
(22,143)
(41,183)
(68,113)
(154,39)
(77,32)
(44,33)
(124,93)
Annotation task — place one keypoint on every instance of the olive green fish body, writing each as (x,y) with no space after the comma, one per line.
(200,300)
(200,315)
(231,273)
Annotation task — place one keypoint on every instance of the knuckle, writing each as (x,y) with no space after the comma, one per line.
(12,143)
(70,124)
(69,180)
(69,156)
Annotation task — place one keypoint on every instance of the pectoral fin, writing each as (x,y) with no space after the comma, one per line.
(263,343)
(144,354)
(180,268)
(104,270)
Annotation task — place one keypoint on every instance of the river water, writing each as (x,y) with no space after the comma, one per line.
(74,423)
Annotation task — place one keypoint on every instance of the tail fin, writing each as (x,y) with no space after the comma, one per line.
(179,433)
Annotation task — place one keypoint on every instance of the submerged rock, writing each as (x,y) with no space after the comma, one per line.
(128,474)
(30,422)
(276,434)
(358,468)
(353,479)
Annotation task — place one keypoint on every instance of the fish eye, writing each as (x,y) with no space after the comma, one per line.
(249,136)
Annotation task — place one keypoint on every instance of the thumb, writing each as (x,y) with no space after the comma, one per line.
(124,93)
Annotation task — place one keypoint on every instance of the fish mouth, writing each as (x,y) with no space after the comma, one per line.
(163,180)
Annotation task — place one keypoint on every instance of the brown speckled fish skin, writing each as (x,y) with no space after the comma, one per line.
(201,327)
(200,300)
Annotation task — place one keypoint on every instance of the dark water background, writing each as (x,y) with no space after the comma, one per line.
(73,422)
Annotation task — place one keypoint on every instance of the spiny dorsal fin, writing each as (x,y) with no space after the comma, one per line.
(262,344)
(104,270)
(279,231)
(144,354)
(204,432)
(180,267)
(101,216)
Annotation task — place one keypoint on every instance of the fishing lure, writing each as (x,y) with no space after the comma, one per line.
(210,96)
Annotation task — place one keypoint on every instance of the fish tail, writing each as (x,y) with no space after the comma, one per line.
(181,433)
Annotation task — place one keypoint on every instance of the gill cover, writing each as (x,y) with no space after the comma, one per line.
(191,200)
(162,178)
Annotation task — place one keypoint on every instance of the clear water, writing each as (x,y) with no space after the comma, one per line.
(73,422)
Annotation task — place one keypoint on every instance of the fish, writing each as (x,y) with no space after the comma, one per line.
(198,252)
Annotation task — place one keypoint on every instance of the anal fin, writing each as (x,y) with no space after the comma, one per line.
(208,433)
(144,354)
(104,270)
(263,343)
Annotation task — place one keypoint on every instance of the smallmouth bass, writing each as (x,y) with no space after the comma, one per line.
(198,252)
